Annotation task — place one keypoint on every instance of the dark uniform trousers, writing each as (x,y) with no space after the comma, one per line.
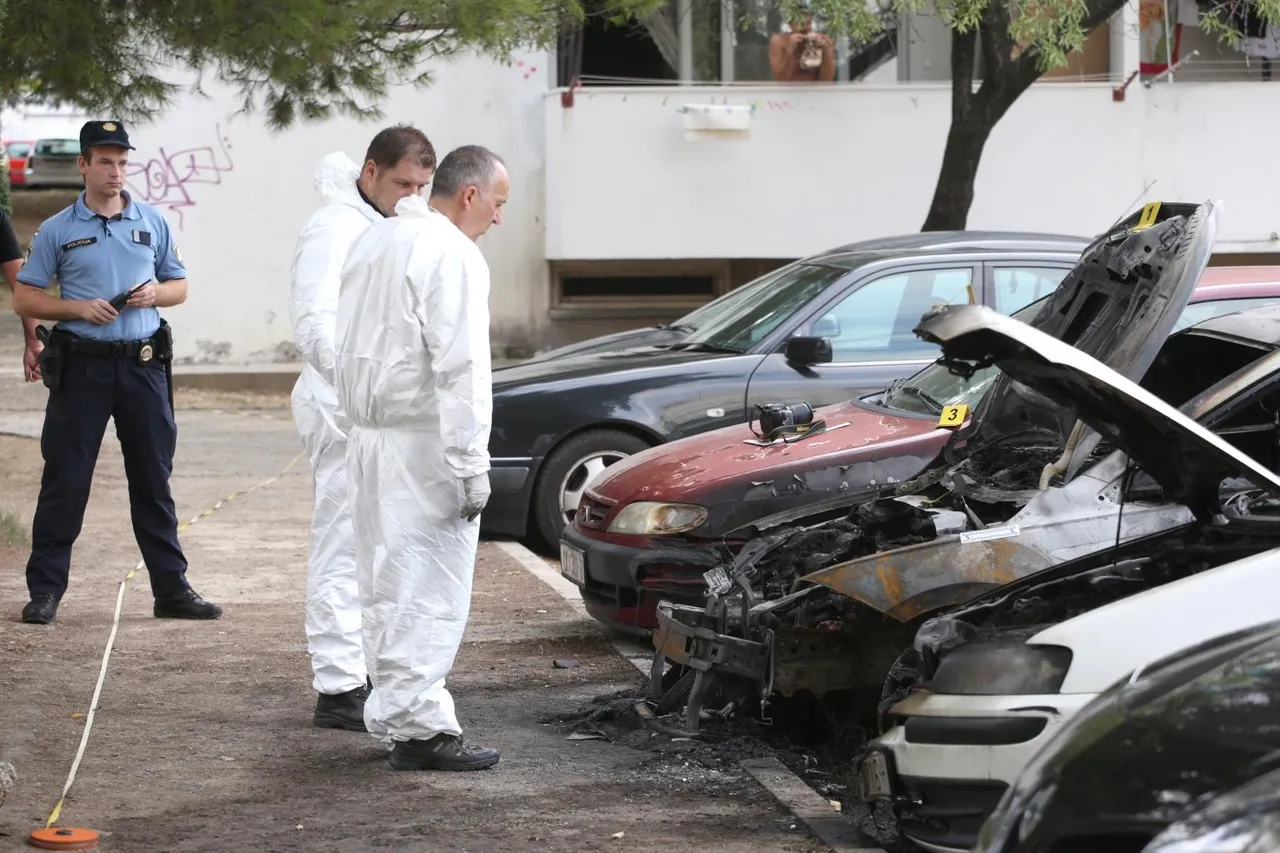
(93,389)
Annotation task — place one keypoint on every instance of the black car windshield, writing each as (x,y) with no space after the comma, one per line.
(760,307)
(935,386)
(726,305)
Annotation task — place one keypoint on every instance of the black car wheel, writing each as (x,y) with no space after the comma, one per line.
(567,472)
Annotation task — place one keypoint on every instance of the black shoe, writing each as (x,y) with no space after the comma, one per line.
(341,710)
(41,610)
(442,752)
(186,605)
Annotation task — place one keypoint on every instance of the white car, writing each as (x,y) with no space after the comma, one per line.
(960,751)
(994,678)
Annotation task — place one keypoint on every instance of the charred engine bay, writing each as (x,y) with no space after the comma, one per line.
(1074,588)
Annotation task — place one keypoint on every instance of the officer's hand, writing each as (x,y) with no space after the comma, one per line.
(144,298)
(475,496)
(31,361)
(97,311)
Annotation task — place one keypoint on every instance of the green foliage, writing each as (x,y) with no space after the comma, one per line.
(1050,29)
(6,201)
(295,60)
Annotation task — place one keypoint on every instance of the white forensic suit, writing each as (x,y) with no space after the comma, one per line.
(333,599)
(415,383)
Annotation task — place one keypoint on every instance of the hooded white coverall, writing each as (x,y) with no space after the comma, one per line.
(415,383)
(333,599)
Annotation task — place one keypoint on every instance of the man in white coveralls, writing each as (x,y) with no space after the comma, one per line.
(399,162)
(414,385)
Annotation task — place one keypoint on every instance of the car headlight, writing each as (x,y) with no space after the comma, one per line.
(649,518)
(1001,668)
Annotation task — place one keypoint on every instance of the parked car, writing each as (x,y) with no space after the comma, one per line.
(1183,756)
(828,605)
(52,163)
(972,721)
(824,328)
(17,151)
(724,482)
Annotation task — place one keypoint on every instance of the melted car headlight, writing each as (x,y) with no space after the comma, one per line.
(1001,668)
(648,518)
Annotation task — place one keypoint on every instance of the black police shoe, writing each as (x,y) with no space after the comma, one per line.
(442,752)
(41,610)
(186,605)
(342,710)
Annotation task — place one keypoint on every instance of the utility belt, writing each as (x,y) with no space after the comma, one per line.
(59,343)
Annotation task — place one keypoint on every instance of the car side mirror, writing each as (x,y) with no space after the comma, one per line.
(808,350)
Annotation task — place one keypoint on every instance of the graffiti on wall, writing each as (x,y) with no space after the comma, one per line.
(171,179)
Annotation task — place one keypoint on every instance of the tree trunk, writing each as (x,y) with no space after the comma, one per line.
(974,114)
(953,195)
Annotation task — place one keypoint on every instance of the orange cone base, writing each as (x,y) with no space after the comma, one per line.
(64,838)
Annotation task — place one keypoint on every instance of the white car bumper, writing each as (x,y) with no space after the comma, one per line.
(949,759)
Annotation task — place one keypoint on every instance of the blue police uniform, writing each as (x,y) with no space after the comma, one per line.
(117,369)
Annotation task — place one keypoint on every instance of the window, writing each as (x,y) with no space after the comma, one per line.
(18,149)
(58,147)
(634,288)
(1200,311)
(764,305)
(1018,287)
(875,322)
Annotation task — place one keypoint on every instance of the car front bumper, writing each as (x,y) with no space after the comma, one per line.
(622,584)
(948,759)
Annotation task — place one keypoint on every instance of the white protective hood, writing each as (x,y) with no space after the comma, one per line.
(318,257)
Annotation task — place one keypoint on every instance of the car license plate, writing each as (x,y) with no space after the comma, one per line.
(573,564)
(873,776)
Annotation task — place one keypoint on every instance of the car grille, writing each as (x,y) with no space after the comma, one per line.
(592,513)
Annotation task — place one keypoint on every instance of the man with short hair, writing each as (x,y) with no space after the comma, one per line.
(415,385)
(399,163)
(107,357)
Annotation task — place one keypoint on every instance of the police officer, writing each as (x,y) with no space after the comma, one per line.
(105,360)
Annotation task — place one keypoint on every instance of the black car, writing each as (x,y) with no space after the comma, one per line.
(1181,757)
(819,330)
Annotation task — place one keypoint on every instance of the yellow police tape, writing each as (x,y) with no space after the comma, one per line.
(115,624)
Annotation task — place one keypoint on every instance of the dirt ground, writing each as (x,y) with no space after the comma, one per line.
(202,738)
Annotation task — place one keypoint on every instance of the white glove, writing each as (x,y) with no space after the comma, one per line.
(475,497)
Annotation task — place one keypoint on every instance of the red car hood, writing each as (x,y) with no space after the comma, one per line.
(691,468)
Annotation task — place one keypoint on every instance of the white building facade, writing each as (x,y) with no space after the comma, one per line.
(631,204)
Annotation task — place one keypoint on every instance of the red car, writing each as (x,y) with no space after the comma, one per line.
(17,150)
(651,524)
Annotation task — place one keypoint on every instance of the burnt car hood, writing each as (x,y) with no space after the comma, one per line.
(1118,304)
(1187,460)
(687,469)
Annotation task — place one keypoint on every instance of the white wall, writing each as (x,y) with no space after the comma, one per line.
(236,195)
(827,165)
(35,122)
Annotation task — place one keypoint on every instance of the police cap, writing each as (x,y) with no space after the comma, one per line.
(104,133)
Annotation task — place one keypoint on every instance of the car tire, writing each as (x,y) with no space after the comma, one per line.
(567,470)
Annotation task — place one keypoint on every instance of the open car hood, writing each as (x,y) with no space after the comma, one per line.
(1186,459)
(1118,304)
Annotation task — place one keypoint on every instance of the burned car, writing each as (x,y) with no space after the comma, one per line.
(828,601)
